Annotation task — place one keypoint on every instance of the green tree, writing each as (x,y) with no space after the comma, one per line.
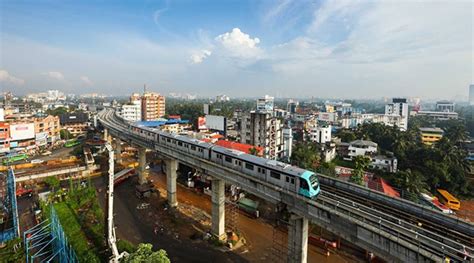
(346,135)
(65,134)
(361,163)
(52,182)
(253,151)
(144,253)
(306,155)
(57,111)
(412,183)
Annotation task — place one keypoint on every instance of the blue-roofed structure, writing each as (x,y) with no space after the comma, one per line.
(160,122)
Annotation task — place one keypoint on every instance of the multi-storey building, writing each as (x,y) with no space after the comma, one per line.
(4,137)
(292,106)
(431,135)
(152,106)
(76,123)
(320,134)
(398,107)
(445,106)
(263,130)
(47,130)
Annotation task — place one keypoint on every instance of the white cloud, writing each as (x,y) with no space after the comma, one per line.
(6,77)
(199,56)
(55,75)
(238,44)
(86,80)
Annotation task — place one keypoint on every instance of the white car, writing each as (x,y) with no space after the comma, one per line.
(37,161)
(46,153)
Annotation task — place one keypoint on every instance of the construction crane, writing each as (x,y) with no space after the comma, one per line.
(111,238)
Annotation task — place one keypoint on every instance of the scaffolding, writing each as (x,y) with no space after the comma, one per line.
(46,242)
(9,228)
(231,216)
(280,241)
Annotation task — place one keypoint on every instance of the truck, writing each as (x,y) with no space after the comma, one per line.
(249,206)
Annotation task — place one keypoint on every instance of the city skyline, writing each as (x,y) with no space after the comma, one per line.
(359,49)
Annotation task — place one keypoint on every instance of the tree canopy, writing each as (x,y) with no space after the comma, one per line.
(145,253)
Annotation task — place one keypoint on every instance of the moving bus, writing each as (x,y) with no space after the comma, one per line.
(14,158)
(72,143)
(449,200)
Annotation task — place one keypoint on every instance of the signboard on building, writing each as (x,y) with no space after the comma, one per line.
(202,123)
(41,138)
(22,131)
(327,116)
(218,123)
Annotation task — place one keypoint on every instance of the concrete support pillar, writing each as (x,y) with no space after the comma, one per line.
(171,175)
(297,239)
(218,209)
(118,150)
(142,172)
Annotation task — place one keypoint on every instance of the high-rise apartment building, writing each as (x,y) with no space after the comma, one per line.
(292,106)
(260,128)
(398,107)
(152,106)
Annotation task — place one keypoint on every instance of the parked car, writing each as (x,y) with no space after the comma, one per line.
(37,161)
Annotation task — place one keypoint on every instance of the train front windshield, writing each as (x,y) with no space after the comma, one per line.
(314,181)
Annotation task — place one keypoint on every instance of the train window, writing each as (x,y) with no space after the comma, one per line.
(180,144)
(304,184)
(168,140)
(193,147)
(258,169)
(287,179)
(263,171)
(228,159)
(200,150)
(275,175)
(219,156)
(249,166)
(292,180)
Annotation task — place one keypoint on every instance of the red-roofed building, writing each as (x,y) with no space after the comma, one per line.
(240,146)
(381,185)
(174,117)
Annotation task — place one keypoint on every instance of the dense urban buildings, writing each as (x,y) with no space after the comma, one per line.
(152,106)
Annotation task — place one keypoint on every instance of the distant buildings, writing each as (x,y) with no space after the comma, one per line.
(445,106)
(398,107)
(292,106)
(368,149)
(437,115)
(222,98)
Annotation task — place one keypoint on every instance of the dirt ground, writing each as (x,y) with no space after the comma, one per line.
(467,210)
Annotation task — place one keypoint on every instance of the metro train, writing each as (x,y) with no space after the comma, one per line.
(285,176)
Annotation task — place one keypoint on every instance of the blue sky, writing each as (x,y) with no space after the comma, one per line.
(285,48)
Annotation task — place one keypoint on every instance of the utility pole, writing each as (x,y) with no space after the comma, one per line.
(111,238)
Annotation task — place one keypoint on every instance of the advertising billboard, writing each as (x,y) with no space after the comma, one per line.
(22,131)
(202,123)
(214,122)
(41,138)
(327,116)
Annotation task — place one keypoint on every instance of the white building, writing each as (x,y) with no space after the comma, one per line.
(131,112)
(388,164)
(398,107)
(361,148)
(287,143)
(445,106)
(222,98)
(265,104)
(320,134)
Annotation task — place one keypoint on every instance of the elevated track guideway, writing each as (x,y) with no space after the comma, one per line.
(395,229)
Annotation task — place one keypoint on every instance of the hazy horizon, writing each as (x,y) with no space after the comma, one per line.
(292,49)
